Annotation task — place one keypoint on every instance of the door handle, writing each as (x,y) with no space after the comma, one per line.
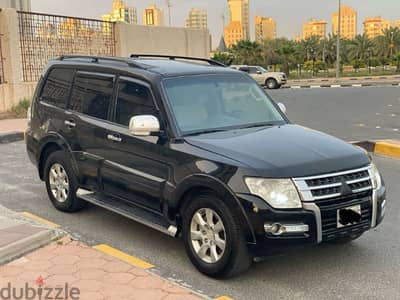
(70,124)
(114,138)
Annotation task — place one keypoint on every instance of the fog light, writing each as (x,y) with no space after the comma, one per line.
(278,229)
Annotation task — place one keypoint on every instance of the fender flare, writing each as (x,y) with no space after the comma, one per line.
(204,181)
(59,140)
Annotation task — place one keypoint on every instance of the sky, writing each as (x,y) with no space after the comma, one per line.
(289,14)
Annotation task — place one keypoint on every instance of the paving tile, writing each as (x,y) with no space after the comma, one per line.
(66,259)
(116,267)
(147,282)
(92,273)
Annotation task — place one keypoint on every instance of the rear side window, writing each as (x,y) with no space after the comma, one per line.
(57,86)
(133,99)
(92,94)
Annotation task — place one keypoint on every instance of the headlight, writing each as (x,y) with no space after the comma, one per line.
(279,193)
(376,177)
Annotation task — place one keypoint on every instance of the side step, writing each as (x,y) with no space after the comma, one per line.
(132,212)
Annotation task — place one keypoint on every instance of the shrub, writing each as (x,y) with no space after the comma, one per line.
(20,110)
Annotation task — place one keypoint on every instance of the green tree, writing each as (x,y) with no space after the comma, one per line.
(247,53)
(388,44)
(225,58)
(359,47)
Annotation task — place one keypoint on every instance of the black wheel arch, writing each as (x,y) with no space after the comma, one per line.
(49,144)
(203,183)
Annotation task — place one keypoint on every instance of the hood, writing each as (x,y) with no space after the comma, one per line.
(283,151)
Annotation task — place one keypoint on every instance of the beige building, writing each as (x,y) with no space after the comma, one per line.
(396,23)
(153,16)
(348,24)
(239,12)
(233,34)
(265,28)
(24,5)
(197,19)
(121,13)
(374,27)
(314,28)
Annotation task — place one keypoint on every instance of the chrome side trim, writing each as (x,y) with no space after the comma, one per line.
(374,204)
(333,174)
(135,172)
(313,207)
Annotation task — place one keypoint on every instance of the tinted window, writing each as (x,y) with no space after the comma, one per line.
(133,99)
(92,95)
(57,87)
(253,70)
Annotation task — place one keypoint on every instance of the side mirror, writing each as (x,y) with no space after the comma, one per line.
(144,125)
(282,107)
(259,72)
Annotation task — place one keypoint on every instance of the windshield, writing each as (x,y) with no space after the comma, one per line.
(219,102)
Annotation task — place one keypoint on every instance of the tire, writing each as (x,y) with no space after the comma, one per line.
(271,83)
(62,185)
(234,258)
(347,239)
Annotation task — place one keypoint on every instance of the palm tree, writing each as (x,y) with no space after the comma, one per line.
(360,47)
(247,53)
(388,44)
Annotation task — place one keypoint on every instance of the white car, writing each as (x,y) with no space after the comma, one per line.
(271,80)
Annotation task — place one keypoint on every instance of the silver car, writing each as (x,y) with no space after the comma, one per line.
(271,80)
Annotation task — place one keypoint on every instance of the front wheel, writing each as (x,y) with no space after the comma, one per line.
(213,238)
(271,83)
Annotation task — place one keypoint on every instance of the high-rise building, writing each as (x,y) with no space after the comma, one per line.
(239,12)
(152,16)
(197,19)
(24,5)
(348,24)
(233,33)
(121,13)
(314,28)
(265,28)
(374,27)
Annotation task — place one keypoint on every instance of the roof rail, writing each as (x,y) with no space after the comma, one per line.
(97,59)
(173,57)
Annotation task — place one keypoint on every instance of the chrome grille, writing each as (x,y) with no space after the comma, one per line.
(327,186)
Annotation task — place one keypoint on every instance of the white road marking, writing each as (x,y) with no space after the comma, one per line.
(378,127)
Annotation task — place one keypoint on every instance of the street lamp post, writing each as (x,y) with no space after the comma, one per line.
(338,42)
(369,60)
(168,2)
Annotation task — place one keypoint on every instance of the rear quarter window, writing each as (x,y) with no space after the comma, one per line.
(57,87)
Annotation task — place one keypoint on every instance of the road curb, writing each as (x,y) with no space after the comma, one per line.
(342,85)
(21,247)
(10,137)
(388,148)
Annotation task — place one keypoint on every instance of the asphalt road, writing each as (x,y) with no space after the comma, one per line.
(366,269)
(353,114)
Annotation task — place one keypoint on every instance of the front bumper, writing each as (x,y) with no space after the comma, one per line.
(319,217)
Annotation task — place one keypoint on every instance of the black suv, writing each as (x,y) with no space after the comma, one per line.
(200,151)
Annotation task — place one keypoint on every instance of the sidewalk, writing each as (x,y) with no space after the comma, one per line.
(12,130)
(82,272)
(19,235)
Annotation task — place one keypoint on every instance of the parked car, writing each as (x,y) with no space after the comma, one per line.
(271,80)
(199,152)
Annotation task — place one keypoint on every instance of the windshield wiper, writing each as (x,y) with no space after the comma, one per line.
(205,132)
(257,125)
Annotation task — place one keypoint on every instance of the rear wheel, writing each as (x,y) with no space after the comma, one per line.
(271,83)
(61,183)
(213,238)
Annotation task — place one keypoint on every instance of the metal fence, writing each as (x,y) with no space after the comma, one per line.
(44,37)
(2,79)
